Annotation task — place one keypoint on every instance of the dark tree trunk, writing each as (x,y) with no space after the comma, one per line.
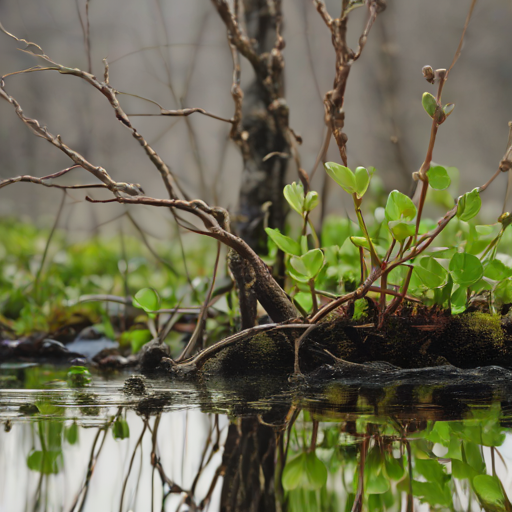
(264,131)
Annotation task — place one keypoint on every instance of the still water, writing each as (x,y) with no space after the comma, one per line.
(250,445)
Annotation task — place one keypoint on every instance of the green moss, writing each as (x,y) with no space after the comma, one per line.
(263,354)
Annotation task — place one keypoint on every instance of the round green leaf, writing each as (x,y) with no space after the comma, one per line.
(146,299)
(488,488)
(469,205)
(465,269)
(448,109)
(431,272)
(399,207)
(497,270)
(429,103)
(309,264)
(342,175)
(401,230)
(438,177)
(294,194)
(285,243)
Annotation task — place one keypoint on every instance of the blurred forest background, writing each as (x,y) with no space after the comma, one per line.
(176,53)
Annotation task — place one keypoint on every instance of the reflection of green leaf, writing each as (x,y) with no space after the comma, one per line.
(120,429)
(394,468)
(293,472)
(316,472)
(71,433)
(433,493)
(462,470)
(431,469)
(454,449)
(488,489)
(285,243)
(137,338)
(441,433)
(46,462)
(474,456)
(305,470)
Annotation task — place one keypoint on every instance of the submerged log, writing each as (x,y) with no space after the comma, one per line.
(466,341)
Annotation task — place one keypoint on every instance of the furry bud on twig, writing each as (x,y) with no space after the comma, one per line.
(428,73)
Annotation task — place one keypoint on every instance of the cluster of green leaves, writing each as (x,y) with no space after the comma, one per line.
(43,298)
(467,258)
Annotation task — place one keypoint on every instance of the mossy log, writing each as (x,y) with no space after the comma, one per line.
(466,341)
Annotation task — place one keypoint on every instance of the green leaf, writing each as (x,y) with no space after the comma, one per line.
(294,472)
(120,429)
(378,484)
(309,264)
(488,489)
(316,472)
(362,180)
(137,338)
(146,299)
(311,201)
(285,243)
(401,230)
(71,433)
(429,103)
(432,492)
(294,194)
(465,269)
(360,241)
(431,273)
(469,205)
(342,175)
(438,177)
(78,376)
(399,207)
(458,300)
(497,270)
(394,469)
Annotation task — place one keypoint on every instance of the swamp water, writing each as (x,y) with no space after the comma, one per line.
(251,444)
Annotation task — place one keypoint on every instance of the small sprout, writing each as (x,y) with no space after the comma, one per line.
(448,108)
(428,73)
(429,104)
(505,219)
(308,266)
(342,175)
(294,194)
(311,201)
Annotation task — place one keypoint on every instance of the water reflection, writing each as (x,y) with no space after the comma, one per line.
(157,446)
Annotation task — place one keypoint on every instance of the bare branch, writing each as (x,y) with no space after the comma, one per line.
(111,94)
